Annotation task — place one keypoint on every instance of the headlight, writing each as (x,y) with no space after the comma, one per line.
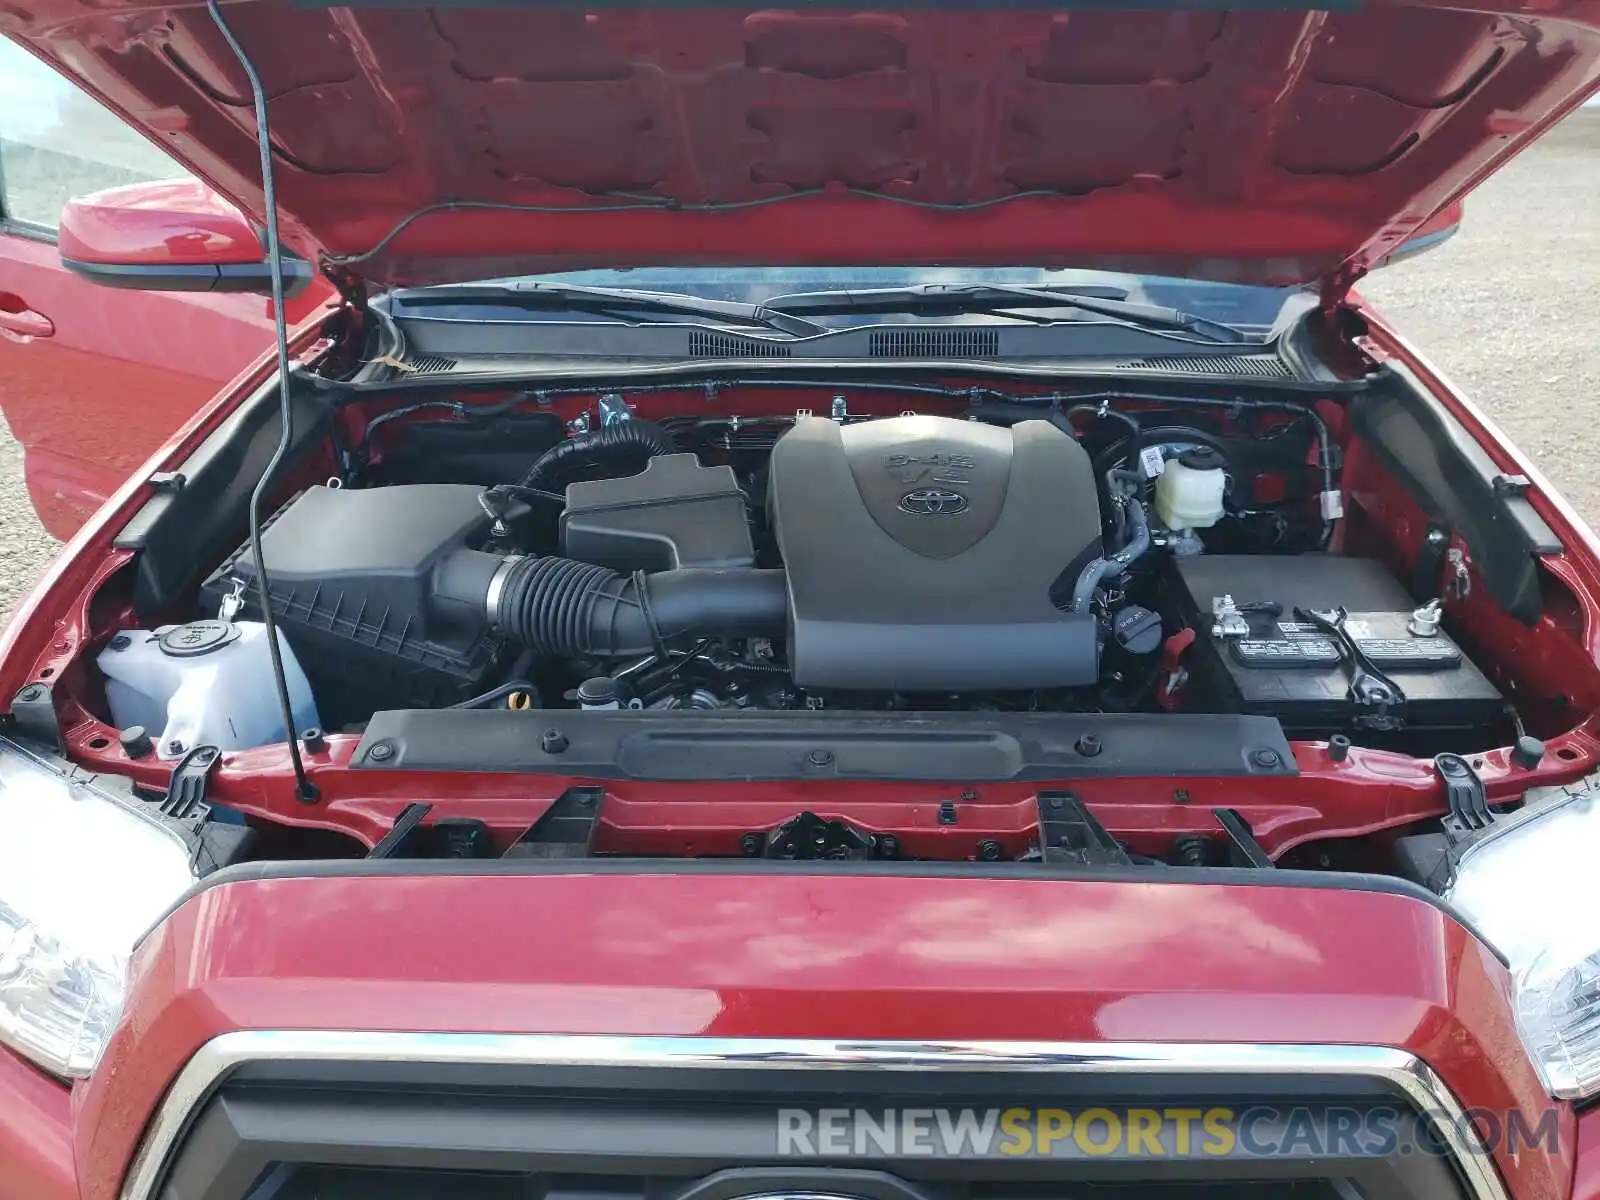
(1528,890)
(82,876)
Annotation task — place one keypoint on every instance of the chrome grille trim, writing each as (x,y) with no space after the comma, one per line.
(220,1057)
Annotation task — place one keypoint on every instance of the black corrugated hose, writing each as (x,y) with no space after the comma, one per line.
(632,441)
(563,608)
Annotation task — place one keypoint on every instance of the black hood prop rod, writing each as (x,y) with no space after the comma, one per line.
(304,789)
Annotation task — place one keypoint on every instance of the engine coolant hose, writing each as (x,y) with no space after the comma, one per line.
(624,442)
(558,607)
(1113,564)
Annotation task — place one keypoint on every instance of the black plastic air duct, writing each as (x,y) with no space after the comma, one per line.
(562,608)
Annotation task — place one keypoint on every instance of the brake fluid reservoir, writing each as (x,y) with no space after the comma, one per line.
(207,683)
(1189,491)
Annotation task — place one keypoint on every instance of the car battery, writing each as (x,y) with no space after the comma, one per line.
(1259,648)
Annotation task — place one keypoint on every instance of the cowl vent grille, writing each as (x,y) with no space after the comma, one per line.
(1262,366)
(934,343)
(431,364)
(722,345)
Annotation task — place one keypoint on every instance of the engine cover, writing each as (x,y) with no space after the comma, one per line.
(923,554)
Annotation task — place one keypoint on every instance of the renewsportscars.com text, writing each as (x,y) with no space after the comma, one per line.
(1258,1131)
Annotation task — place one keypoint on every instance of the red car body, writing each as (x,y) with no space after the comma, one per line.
(856,960)
(872,960)
(164,355)
(65,343)
(913,961)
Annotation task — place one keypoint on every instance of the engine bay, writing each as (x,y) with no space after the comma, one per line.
(1170,628)
(909,562)
(844,571)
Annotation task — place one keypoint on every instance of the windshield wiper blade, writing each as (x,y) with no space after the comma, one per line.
(1000,298)
(610,301)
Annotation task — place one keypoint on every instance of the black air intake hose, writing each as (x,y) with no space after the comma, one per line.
(630,441)
(562,608)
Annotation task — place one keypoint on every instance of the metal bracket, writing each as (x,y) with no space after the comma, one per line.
(566,829)
(448,837)
(186,792)
(1459,585)
(1379,700)
(33,708)
(1070,833)
(213,844)
(808,836)
(1429,569)
(461,837)
(613,409)
(390,845)
(233,603)
(1468,819)
(1506,486)
(1243,849)
(1464,796)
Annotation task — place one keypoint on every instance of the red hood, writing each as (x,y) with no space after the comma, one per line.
(1254,145)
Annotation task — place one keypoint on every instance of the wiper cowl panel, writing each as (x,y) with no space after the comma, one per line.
(610,301)
(935,296)
(931,298)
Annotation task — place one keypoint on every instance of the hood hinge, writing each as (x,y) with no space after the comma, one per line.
(354,314)
(1335,288)
(350,286)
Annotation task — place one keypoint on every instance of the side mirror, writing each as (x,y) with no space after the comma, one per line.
(173,236)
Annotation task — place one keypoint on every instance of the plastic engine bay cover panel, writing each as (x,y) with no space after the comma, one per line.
(922,554)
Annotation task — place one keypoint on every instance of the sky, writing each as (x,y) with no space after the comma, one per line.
(39,108)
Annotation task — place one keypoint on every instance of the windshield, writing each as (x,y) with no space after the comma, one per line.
(1250,308)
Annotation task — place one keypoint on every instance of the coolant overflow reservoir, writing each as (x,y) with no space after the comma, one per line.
(207,683)
(1189,491)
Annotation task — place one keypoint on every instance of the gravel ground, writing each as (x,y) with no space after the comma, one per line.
(25,548)
(1506,308)
(38,183)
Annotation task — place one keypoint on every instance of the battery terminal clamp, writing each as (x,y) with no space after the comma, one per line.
(1227,619)
(1424,621)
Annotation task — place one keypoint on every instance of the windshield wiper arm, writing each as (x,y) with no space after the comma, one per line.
(999,298)
(610,301)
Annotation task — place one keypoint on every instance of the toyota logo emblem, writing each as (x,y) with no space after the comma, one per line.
(933,502)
